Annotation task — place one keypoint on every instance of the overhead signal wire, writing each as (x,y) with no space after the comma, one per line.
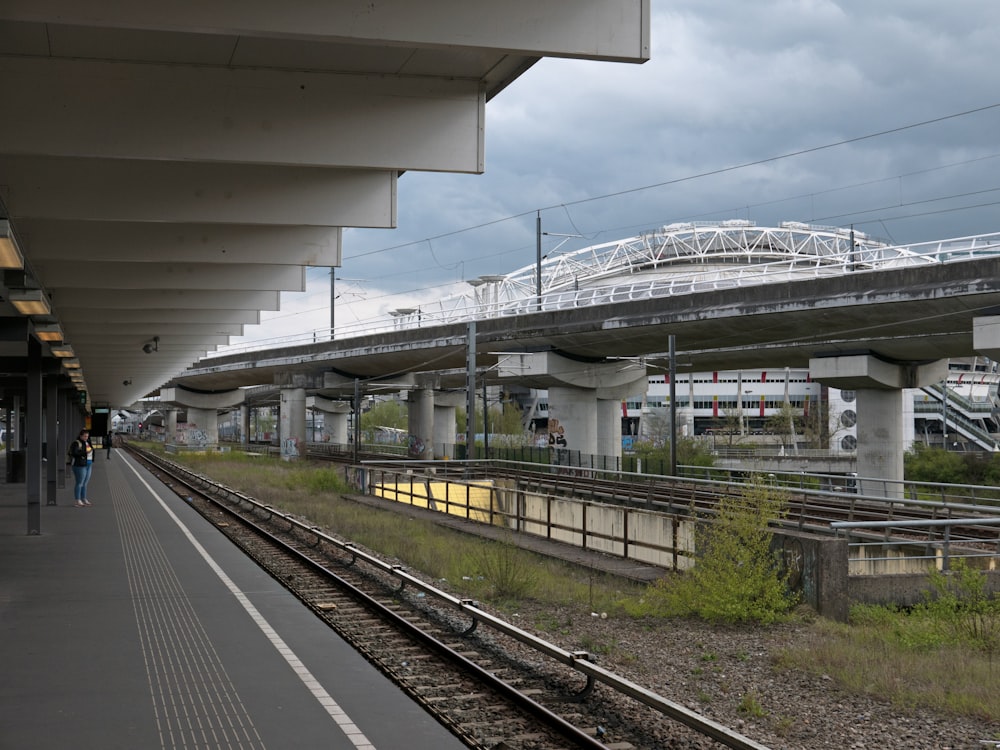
(699,175)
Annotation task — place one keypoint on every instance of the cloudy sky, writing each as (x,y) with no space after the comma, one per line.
(884,115)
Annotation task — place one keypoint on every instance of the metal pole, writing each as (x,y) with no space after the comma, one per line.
(673,404)
(944,414)
(538,261)
(470,391)
(486,423)
(333,296)
(357,418)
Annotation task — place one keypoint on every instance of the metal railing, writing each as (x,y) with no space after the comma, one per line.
(943,539)
(562,287)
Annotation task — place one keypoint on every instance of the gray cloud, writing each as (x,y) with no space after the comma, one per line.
(729,83)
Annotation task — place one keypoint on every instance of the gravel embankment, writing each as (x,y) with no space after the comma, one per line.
(712,670)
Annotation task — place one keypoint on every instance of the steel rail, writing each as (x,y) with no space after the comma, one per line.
(579,660)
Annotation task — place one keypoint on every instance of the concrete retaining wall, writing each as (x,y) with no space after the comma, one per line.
(818,564)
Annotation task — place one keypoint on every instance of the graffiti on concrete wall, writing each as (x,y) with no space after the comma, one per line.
(415,446)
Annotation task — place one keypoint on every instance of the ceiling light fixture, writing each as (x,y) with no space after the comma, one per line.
(50,332)
(152,346)
(61,350)
(29,301)
(10,252)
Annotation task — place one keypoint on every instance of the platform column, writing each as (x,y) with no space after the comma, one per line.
(65,434)
(879,386)
(292,418)
(420,423)
(52,453)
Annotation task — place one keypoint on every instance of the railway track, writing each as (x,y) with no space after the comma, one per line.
(493,685)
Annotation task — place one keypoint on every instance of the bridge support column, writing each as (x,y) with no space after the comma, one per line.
(445,424)
(609,431)
(335,425)
(879,386)
(202,413)
(572,421)
(203,426)
(245,426)
(334,417)
(584,398)
(171,426)
(292,419)
(420,423)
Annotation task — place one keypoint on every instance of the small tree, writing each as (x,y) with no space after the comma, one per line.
(736,576)
(816,425)
(385,414)
(690,452)
(730,424)
(926,464)
(784,424)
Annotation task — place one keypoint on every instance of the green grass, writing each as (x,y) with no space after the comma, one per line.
(931,657)
(892,657)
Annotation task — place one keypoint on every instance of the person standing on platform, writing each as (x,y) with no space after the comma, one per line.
(82,453)
(108,440)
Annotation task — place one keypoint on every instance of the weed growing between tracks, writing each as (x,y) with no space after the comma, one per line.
(917,658)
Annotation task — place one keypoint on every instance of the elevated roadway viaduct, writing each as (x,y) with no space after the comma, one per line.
(876,331)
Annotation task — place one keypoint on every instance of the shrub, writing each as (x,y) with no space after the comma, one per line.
(506,569)
(960,603)
(736,576)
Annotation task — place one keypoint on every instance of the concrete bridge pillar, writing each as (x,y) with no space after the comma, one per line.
(879,386)
(584,398)
(292,423)
(171,425)
(609,430)
(335,425)
(203,427)
(420,423)
(334,417)
(572,421)
(445,424)
(245,426)
(202,413)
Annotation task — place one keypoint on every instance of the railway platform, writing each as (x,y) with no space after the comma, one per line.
(132,624)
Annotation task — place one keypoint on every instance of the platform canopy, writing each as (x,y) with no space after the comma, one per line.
(167,170)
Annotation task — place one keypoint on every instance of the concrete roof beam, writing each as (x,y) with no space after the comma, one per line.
(187,192)
(539,27)
(101,241)
(196,400)
(863,371)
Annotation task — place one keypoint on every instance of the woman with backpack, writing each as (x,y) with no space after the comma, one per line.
(81,453)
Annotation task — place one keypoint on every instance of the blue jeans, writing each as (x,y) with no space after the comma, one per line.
(82,474)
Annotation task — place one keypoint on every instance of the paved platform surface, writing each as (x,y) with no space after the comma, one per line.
(133,624)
